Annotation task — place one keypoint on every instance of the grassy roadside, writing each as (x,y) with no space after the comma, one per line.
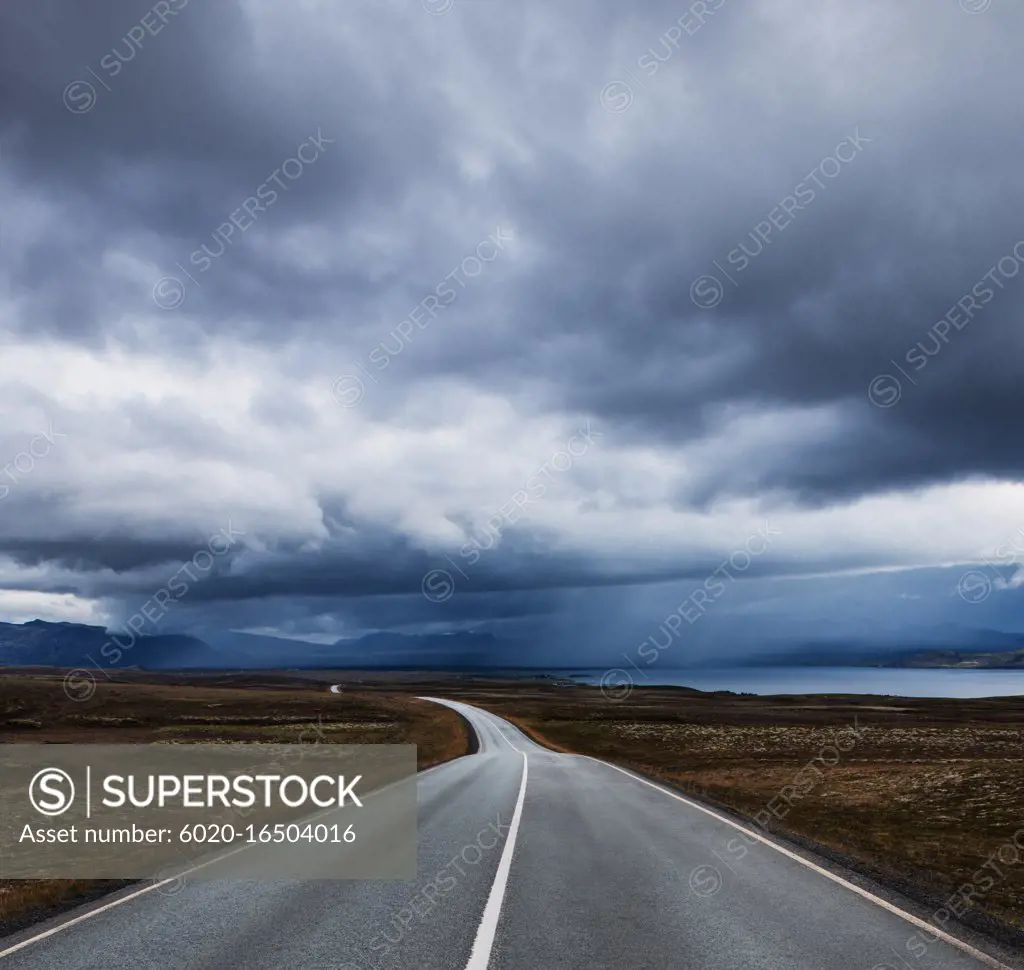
(926,796)
(135,710)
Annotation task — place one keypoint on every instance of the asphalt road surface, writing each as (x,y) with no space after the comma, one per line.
(528,860)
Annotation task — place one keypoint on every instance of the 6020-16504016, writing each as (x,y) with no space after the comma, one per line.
(269,833)
(211,833)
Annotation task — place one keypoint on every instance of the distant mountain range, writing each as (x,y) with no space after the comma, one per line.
(38,643)
(941,647)
(1005,659)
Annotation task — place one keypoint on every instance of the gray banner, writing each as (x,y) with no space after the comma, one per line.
(138,811)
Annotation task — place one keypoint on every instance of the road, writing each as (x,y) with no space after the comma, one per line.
(528,860)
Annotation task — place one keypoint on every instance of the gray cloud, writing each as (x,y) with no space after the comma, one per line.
(847,175)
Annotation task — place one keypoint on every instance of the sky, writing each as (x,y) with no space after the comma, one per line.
(515,316)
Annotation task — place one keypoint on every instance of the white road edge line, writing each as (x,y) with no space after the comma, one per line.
(492,719)
(977,954)
(480,955)
(877,900)
(509,743)
(148,889)
(117,902)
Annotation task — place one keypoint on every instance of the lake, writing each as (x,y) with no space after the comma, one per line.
(819,680)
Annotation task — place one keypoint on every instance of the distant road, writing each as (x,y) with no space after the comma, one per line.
(528,860)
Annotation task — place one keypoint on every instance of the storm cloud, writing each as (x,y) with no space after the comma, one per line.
(461,312)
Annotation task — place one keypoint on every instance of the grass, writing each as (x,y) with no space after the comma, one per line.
(140,709)
(925,796)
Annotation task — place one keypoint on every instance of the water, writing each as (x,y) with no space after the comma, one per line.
(899,682)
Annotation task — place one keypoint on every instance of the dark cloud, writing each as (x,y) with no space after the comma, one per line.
(847,175)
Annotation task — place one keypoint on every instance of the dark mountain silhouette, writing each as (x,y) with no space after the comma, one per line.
(38,643)
(384,649)
(943,646)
